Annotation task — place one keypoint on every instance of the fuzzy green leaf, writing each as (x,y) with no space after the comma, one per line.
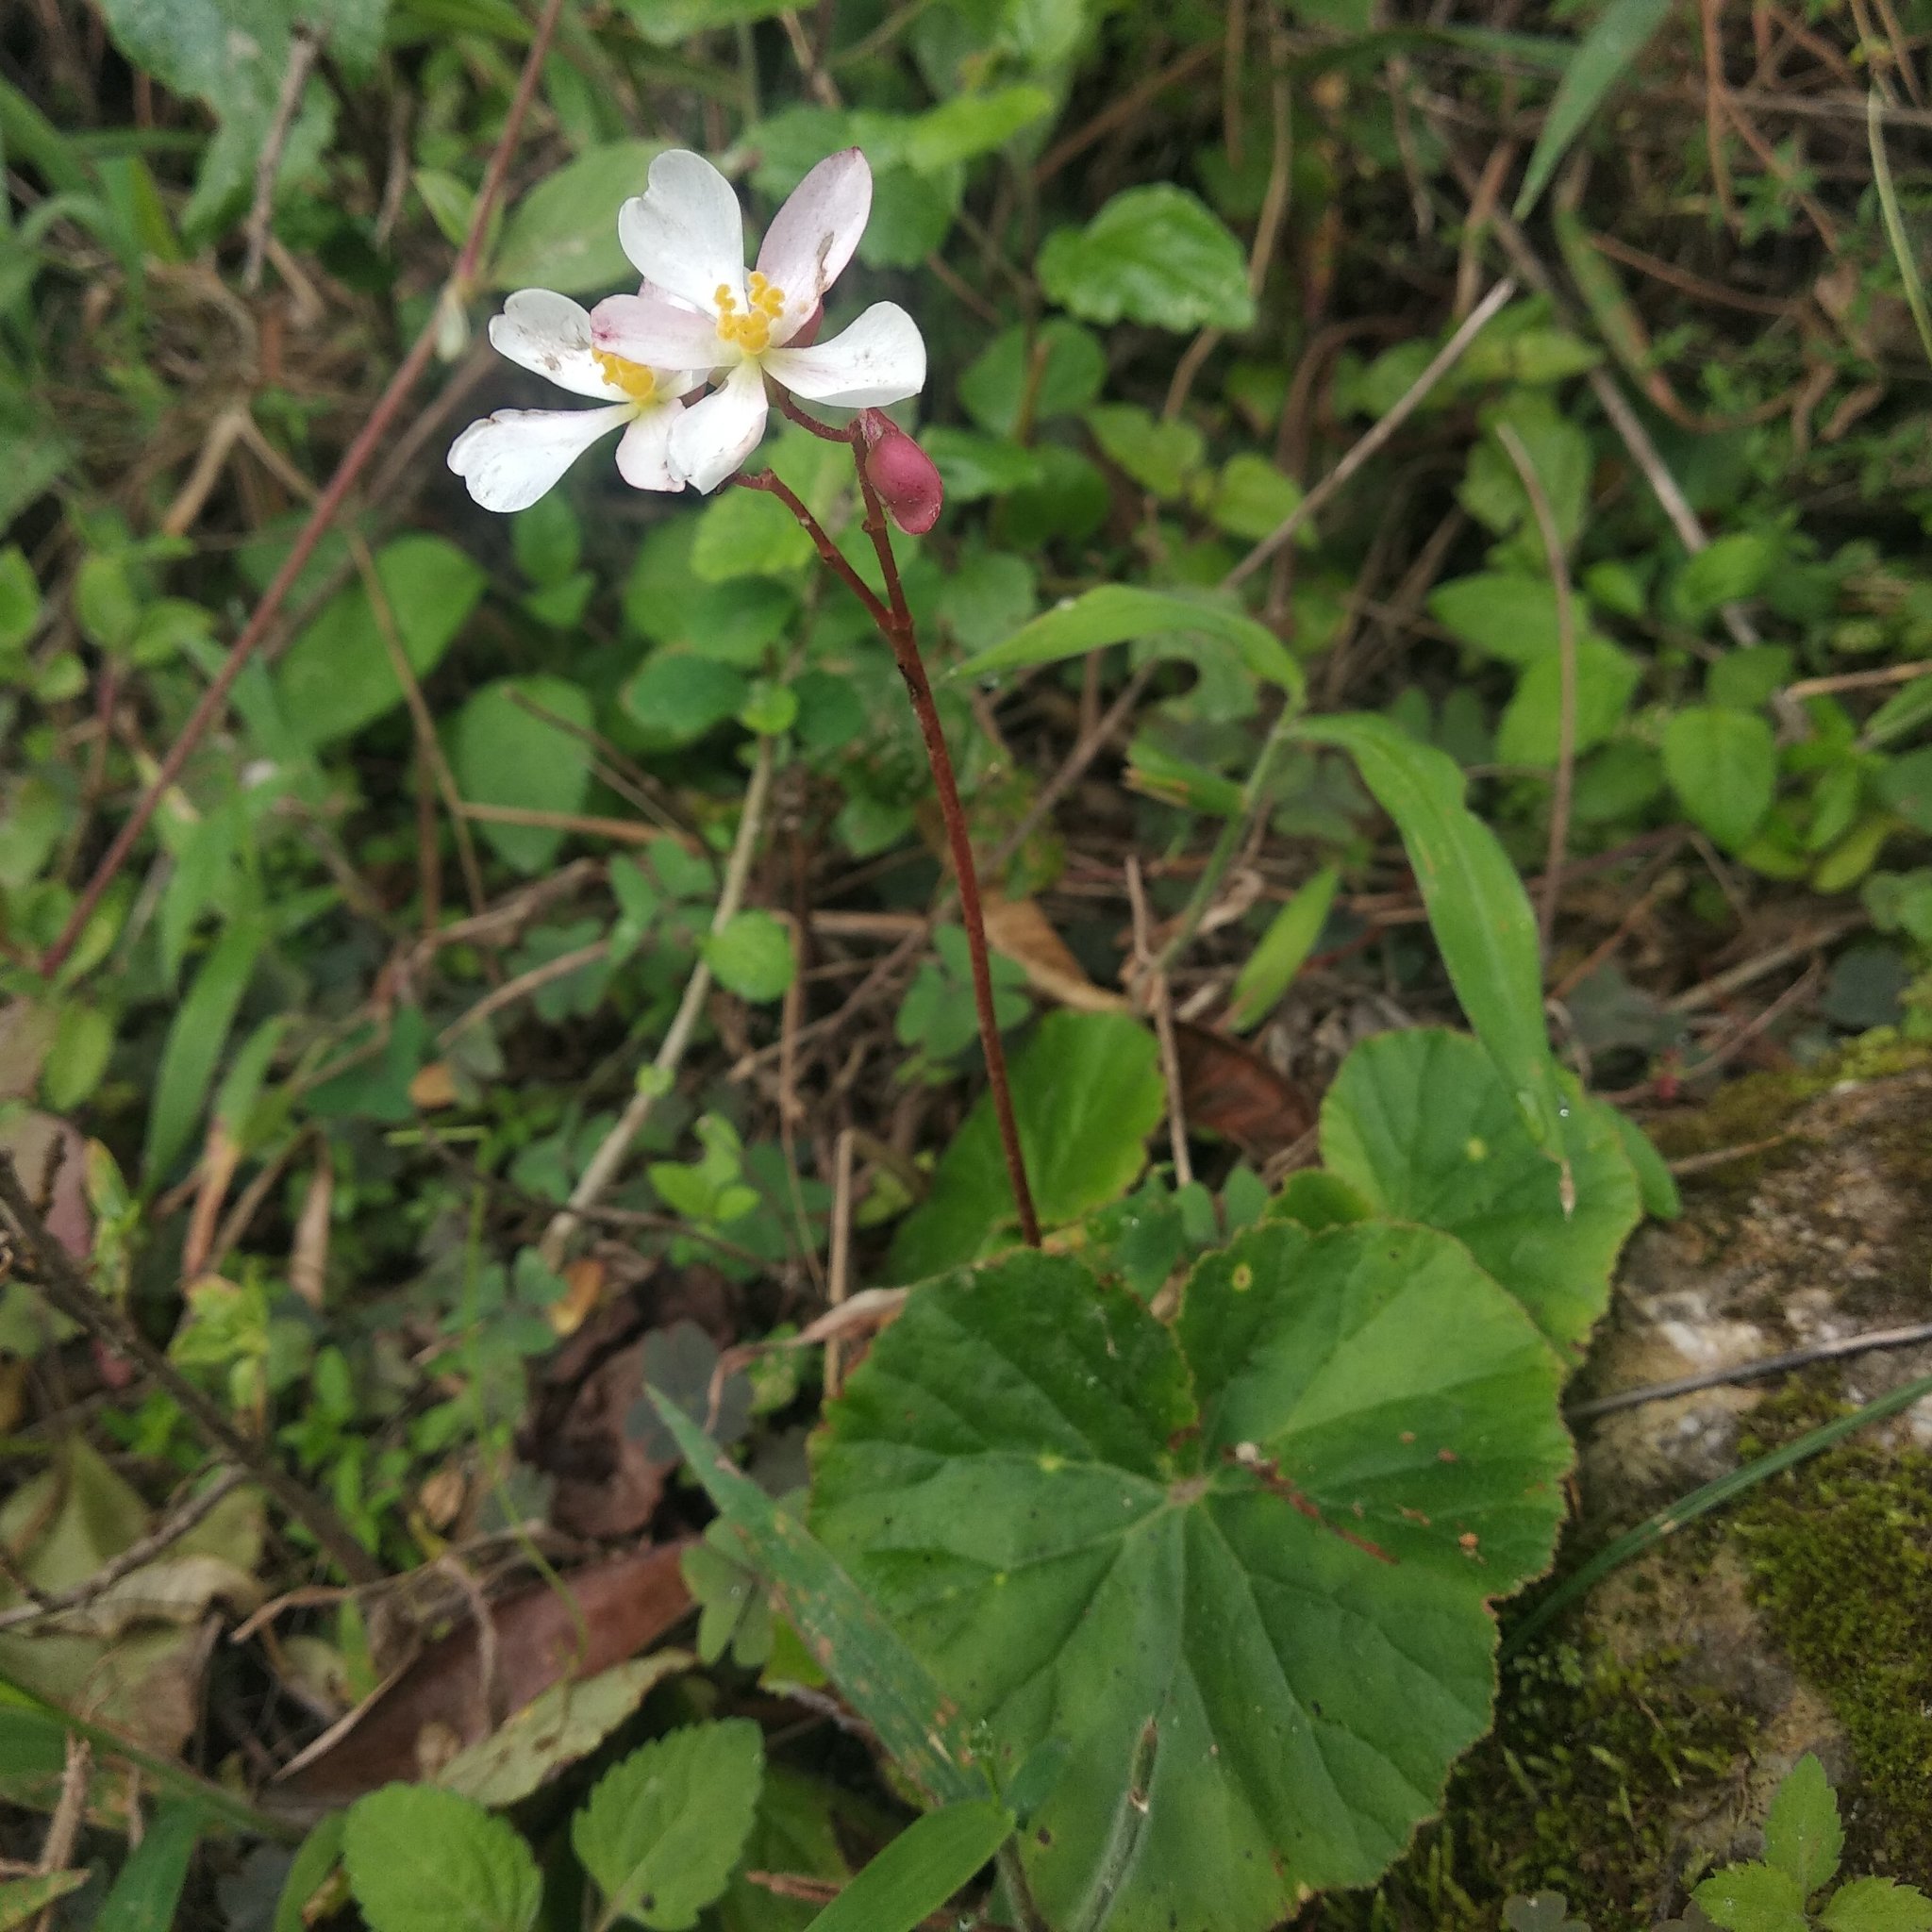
(1154,254)
(1423,1125)
(1752,1898)
(665,1828)
(1802,1837)
(1241,1569)
(1877,1905)
(422,1860)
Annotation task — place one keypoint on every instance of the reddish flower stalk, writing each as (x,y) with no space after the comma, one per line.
(893,618)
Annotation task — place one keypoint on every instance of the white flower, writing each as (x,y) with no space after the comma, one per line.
(510,458)
(699,310)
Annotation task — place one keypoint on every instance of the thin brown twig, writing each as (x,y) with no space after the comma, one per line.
(1722,1156)
(1716,106)
(1566,703)
(838,1265)
(1699,286)
(1715,991)
(616,1144)
(1376,435)
(172,1529)
(1869,1344)
(63,1284)
(214,700)
(305,44)
(428,745)
(524,984)
(1118,113)
(1859,680)
(625,831)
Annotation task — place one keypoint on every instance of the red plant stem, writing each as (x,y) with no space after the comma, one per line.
(904,640)
(214,700)
(895,626)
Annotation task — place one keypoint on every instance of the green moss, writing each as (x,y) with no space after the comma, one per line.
(1579,1788)
(1839,1551)
(1759,1109)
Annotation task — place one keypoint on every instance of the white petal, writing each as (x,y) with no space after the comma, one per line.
(712,438)
(811,238)
(642,328)
(550,335)
(643,456)
(685,232)
(879,359)
(510,458)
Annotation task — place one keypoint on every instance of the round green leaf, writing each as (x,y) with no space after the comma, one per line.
(563,234)
(422,1860)
(677,696)
(996,384)
(337,676)
(1087,1092)
(505,753)
(1531,729)
(751,956)
(1723,765)
(1423,1127)
(1157,254)
(1243,1571)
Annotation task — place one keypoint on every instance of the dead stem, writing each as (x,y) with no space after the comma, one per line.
(61,1282)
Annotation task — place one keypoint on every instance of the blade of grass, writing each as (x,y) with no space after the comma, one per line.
(1601,58)
(858,1650)
(919,1869)
(1713,1495)
(1894,225)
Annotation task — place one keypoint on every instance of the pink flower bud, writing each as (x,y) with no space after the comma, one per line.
(905,477)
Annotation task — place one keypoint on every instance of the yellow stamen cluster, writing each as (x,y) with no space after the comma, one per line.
(751,331)
(639,383)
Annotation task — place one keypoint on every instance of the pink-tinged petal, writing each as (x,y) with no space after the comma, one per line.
(879,359)
(811,238)
(643,456)
(512,458)
(711,438)
(550,335)
(685,232)
(641,328)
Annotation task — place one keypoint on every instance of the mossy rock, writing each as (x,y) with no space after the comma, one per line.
(1638,1746)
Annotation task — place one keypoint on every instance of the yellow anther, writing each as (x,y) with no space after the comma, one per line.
(752,332)
(765,296)
(639,383)
(726,300)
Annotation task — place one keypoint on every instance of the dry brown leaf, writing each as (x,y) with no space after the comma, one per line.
(1019,929)
(309,1257)
(622,1607)
(1230,1088)
(433,1086)
(583,1282)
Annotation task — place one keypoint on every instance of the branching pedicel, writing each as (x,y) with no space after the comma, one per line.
(699,317)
